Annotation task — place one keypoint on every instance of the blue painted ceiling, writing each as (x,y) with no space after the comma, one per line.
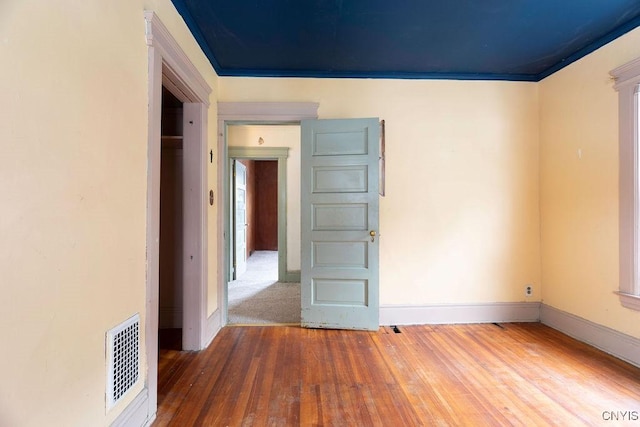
(523,40)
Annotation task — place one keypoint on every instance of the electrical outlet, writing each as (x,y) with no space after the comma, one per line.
(528,290)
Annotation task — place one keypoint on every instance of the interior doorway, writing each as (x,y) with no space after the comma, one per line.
(261,286)
(171,289)
(178,174)
(255,211)
(255,294)
(170,68)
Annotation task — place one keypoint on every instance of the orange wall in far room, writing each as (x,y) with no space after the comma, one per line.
(266,205)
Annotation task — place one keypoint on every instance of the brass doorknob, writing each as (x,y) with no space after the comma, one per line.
(373,235)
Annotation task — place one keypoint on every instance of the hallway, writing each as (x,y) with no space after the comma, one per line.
(258,298)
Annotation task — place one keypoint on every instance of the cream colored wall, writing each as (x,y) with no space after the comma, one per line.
(460,221)
(73,174)
(279,136)
(579,187)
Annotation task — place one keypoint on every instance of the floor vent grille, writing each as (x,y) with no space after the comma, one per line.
(123,359)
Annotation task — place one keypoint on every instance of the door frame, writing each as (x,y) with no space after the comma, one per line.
(233,218)
(246,113)
(280,155)
(170,67)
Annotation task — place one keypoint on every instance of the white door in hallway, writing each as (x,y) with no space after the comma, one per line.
(240,218)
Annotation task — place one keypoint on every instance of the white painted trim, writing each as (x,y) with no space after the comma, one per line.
(170,66)
(269,112)
(629,301)
(500,312)
(153,227)
(180,67)
(627,78)
(194,226)
(620,345)
(617,344)
(251,113)
(214,324)
(627,74)
(135,414)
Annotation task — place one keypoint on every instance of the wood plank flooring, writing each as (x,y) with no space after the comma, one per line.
(475,375)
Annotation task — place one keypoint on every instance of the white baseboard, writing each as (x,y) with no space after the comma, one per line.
(617,344)
(620,345)
(136,413)
(214,324)
(460,313)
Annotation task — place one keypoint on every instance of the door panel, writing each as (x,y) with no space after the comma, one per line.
(340,179)
(340,292)
(340,254)
(340,143)
(347,216)
(339,208)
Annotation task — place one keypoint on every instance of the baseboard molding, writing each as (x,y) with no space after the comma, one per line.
(214,324)
(460,313)
(136,413)
(292,276)
(617,344)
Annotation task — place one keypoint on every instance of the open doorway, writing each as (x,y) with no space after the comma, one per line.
(170,304)
(262,285)
(256,212)
(255,293)
(170,68)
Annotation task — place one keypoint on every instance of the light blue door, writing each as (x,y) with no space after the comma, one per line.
(339,206)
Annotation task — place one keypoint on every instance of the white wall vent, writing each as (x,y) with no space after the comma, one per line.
(123,359)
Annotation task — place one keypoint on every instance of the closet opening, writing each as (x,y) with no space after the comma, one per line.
(171,287)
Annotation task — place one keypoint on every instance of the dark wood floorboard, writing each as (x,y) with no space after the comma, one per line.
(477,375)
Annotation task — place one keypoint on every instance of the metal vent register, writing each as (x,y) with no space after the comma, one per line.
(123,357)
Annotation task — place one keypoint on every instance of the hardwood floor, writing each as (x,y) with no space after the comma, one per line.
(508,374)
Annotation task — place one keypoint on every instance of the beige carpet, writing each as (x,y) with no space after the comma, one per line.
(258,298)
